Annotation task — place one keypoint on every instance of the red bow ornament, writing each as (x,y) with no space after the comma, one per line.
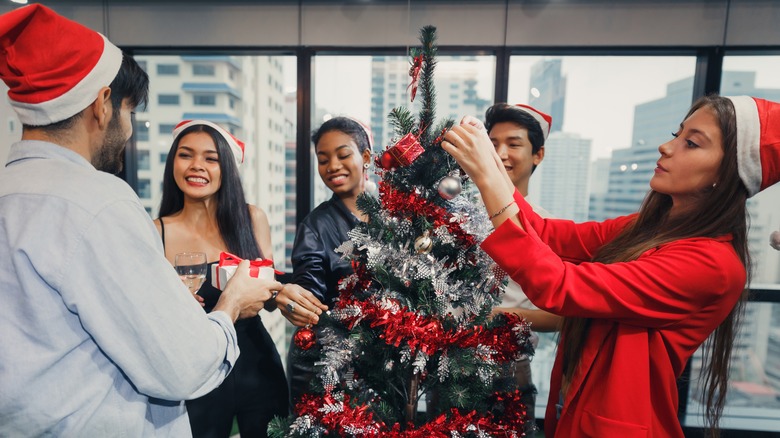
(414,72)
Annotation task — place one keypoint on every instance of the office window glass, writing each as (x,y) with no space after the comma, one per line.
(368,87)
(753,398)
(609,115)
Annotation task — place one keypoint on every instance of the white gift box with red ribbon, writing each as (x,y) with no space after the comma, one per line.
(223,271)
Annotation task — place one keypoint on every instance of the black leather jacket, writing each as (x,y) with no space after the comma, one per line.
(316,266)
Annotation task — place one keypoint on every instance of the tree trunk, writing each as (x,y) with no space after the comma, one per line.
(411,405)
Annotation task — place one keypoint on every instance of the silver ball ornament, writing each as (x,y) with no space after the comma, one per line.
(449,187)
(423,244)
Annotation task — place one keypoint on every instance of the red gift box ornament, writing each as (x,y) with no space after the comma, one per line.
(403,153)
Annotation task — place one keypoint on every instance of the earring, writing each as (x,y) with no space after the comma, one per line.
(370,185)
(714,185)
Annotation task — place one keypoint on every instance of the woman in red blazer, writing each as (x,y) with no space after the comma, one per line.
(639,293)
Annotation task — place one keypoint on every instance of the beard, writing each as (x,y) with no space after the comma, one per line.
(110,157)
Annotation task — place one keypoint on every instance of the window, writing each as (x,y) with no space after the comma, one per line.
(167,69)
(143,159)
(591,156)
(168,99)
(163,158)
(166,129)
(203,70)
(144,190)
(204,99)
(753,398)
(620,140)
(142,130)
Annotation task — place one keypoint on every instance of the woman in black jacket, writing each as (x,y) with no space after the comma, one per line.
(343,148)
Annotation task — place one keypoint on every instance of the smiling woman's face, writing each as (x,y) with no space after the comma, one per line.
(340,163)
(196,166)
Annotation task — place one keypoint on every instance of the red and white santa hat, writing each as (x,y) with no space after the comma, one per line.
(236,146)
(367,129)
(758,142)
(545,121)
(53,66)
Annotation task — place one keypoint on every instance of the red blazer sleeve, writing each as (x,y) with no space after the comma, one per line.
(571,241)
(661,287)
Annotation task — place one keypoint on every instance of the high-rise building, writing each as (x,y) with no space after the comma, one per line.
(599,184)
(563,182)
(548,90)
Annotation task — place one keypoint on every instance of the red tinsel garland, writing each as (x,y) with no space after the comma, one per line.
(346,420)
(399,326)
(398,203)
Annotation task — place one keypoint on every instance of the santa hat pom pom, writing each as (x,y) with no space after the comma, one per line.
(774,240)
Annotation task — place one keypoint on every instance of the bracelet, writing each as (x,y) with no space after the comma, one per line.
(498,213)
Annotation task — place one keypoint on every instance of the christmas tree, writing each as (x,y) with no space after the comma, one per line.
(413,324)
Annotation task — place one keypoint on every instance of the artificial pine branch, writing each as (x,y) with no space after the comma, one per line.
(427,89)
(401,120)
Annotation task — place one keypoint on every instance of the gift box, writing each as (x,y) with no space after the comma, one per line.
(223,271)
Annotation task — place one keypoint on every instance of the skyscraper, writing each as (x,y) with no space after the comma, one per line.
(561,181)
(548,90)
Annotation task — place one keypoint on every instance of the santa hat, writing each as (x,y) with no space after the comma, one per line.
(545,121)
(758,142)
(53,67)
(236,145)
(367,130)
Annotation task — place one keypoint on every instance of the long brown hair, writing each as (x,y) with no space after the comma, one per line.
(718,211)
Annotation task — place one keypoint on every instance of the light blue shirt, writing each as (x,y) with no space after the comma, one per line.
(99,337)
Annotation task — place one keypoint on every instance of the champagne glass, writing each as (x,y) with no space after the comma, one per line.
(191,267)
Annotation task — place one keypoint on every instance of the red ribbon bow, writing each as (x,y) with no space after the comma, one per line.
(228,259)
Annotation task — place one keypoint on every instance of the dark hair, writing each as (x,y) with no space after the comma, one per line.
(130,82)
(347,126)
(502,112)
(718,211)
(233,216)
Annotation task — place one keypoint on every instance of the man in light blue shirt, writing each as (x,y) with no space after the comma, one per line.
(99,335)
